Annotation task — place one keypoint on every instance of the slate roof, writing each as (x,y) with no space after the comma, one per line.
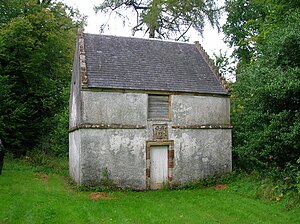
(144,64)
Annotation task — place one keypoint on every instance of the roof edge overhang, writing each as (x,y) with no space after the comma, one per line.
(158,92)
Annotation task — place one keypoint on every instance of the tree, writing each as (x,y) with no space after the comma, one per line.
(250,21)
(226,65)
(265,99)
(12,112)
(37,42)
(166,18)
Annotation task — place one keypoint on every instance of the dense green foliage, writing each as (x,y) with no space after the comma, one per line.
(165,18)
(37,42)
(250,21)
(266,95)
(31,197)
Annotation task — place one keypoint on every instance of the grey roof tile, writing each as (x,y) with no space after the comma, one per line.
(143,64)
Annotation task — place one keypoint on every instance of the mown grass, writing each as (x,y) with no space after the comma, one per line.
(28,196)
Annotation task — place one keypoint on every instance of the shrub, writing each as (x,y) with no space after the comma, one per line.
(46,163)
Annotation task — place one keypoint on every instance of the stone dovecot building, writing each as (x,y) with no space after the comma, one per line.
(145,113)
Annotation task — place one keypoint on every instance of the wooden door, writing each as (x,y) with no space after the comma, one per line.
(158,166)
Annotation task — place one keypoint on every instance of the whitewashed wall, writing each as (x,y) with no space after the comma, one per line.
(120,148)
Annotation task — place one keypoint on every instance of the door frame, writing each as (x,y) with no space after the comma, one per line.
(170,144)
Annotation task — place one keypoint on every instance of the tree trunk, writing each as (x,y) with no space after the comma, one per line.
(151,32)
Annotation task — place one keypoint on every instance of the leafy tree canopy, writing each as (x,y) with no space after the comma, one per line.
(250,21)
(265,99)
(37,41)
(165,18)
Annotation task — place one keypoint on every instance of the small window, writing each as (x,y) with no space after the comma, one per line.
(158,107)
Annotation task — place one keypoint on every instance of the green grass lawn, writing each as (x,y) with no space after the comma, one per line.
(30,197)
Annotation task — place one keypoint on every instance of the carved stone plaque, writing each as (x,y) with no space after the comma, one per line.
(160,131)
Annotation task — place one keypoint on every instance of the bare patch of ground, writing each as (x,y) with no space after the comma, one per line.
(221,186)
(99,195)
(41,177)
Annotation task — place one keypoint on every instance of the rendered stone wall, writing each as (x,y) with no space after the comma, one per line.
(121,153)
(114,108)
(116,143)
(75,155)
(200,110)
(74,120)
(119,147)
(75,98)
(200,151)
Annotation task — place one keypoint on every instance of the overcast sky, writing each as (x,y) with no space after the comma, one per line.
(211,42)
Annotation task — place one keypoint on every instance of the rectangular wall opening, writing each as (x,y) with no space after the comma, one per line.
(160,164)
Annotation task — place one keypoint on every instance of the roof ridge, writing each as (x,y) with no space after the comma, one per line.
(212,66)
(142,38)
(82,58)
